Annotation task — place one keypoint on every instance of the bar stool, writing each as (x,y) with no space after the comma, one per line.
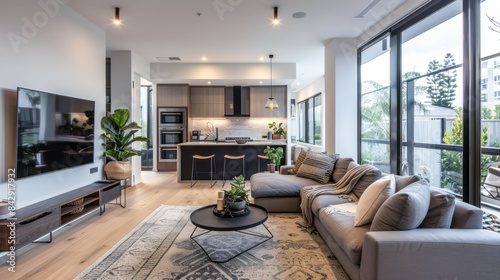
(260,157)
(194,169)
(229,157)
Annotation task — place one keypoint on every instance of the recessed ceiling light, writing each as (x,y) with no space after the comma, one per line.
(261,58)
(209,82)
(299,15)
(204,58)
(298,83)
(260,82)
(168,58)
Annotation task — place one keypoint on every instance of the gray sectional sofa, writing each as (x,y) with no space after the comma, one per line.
(463,250)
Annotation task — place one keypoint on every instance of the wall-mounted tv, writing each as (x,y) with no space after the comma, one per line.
(54,132)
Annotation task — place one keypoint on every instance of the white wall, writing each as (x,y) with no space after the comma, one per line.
(54,50)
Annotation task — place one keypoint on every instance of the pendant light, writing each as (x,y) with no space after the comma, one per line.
(271,102)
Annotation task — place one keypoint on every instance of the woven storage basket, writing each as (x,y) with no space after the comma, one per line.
(77,210)
(76,202)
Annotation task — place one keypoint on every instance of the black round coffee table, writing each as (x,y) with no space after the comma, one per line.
(205,219)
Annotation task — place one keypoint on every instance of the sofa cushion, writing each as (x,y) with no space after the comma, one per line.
(340,168)
(323,201)
(372,199)
(298,162)
(440,213)
(404,181)
(348,237)
(368,178)
(317,166)
(404,210)
(273,184)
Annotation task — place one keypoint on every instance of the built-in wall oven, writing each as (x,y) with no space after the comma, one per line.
(172,130)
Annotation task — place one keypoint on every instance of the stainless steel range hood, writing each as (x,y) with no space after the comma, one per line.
(237,101)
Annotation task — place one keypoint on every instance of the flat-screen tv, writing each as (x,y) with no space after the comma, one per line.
(54,132)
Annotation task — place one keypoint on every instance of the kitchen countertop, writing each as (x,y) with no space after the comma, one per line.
(233,143)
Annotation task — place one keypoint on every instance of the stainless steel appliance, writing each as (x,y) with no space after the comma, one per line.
(172,116)
(172,130)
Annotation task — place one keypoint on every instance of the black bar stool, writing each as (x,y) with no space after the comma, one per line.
(194,169)
(260,157)
(229,157)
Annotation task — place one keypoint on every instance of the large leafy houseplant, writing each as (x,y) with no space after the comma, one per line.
(118,139)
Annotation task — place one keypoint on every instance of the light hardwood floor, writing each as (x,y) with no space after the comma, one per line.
(77,246)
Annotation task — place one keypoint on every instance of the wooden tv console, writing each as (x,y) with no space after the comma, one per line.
(37,220)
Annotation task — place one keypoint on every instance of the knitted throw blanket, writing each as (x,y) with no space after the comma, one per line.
(343,187)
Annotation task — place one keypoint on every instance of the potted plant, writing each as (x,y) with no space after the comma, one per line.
(236,199)
(279,131)
(275,154)
(118,137)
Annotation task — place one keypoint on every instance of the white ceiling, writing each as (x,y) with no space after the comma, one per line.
(232,31)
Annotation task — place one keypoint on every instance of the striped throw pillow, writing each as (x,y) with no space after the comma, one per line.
(317,166)
(298,162)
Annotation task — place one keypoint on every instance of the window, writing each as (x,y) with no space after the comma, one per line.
(311,120)
(425,103)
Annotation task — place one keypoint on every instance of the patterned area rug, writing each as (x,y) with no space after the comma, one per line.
(161,248)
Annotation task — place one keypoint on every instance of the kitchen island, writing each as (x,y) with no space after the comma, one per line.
(251,149)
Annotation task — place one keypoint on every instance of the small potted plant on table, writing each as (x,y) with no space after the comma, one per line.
(275,154)
(236,199)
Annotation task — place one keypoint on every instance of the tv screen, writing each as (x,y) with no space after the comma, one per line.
(54,132)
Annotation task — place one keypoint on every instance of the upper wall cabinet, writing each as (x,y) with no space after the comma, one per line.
(258,99)
(207,102)
(170,95)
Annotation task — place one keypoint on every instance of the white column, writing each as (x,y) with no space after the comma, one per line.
(341,125)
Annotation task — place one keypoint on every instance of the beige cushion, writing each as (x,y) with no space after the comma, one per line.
(404,210)
(298,162)
(372,199)
(317,166)
(440,211)
(340,168)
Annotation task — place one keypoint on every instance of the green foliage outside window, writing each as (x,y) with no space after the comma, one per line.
(452,161)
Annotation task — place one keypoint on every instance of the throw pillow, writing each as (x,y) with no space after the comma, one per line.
(372,199)
(404,210)
(317,166)
(364,182)
(298,162)
(441,208)
(340,168)
(404,181)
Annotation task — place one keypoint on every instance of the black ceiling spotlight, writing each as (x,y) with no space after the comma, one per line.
(271,102)
(276,20)
(117,20)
